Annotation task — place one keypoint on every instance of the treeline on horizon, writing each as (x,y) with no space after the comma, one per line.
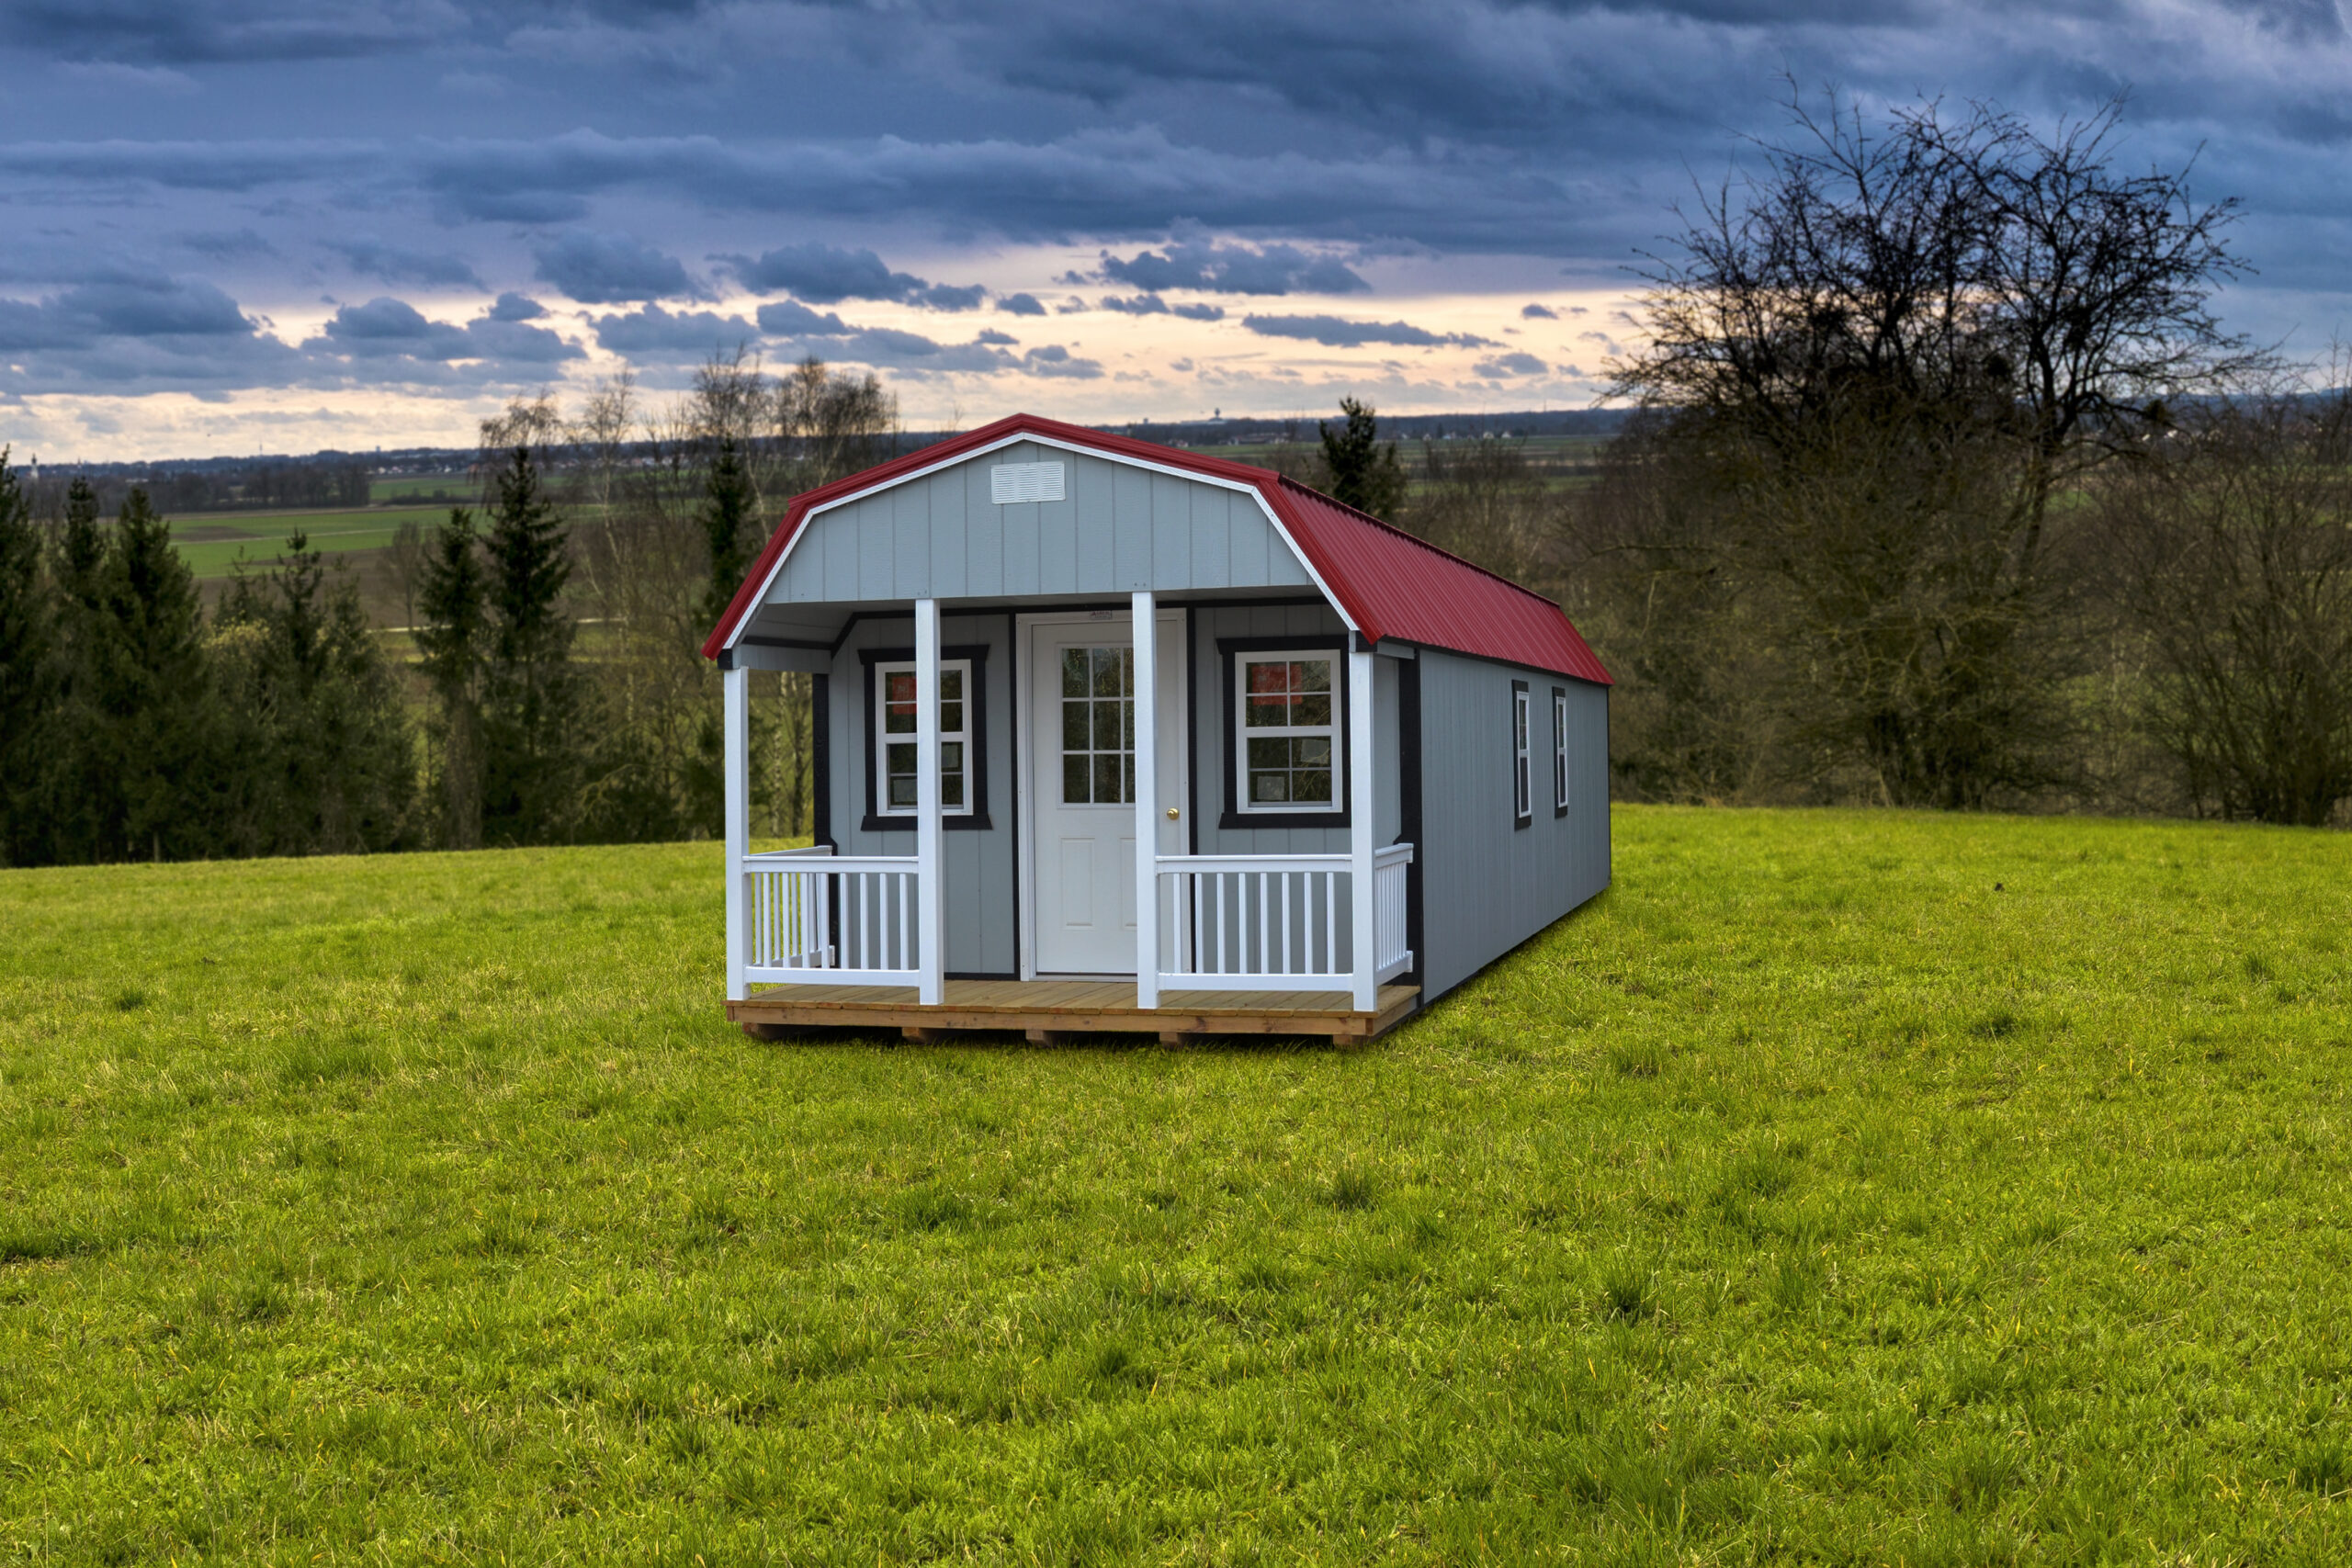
(263,488)
(136,725)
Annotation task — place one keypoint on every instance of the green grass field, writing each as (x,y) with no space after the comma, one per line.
(453,489)
(1842,1186)
(212,543)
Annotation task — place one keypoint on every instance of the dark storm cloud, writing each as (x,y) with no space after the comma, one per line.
(182,33)
(1054,360)
(231,245)
(1233,269)
(130,331)
(1117,183)
(123,304)
(789,318)
(610,269)
(371,257)
(386,328)
(827,275)
(654,334)
(1336,331)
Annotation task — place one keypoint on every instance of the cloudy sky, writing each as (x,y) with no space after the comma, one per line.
(277,225)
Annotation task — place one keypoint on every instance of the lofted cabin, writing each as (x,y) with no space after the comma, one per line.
(1116,737)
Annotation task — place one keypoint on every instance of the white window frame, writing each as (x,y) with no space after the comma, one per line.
(1559,750)
(1522,782)
(964,737)
(1243,733)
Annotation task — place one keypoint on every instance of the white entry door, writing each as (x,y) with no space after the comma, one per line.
(1082,749)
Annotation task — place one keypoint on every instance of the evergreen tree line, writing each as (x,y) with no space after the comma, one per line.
(269,486)
(556,694)
(134,726)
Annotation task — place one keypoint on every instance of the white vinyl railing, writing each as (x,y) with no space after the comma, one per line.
(819,918)
(1391,957)
(1274,922)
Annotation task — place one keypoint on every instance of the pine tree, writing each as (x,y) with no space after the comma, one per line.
(728,526)
(329,750)
(532,706)
(79,791)
(454,641)
(27,677)
(1364,473)
(81,547)
(153,701)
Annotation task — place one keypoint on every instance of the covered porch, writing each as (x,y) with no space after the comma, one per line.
(1224,943)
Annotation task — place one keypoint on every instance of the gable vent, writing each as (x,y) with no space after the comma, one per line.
(1011,483)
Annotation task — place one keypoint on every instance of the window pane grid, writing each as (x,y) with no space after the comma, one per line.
(1519,781)
(894,696)
(1098,726)
(1559,751)
(1289,733)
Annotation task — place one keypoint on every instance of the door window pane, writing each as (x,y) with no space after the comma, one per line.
(1098,726)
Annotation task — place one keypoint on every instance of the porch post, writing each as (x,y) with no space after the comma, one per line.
(1359,813)
(735,706)
(1146,643)
(931,990)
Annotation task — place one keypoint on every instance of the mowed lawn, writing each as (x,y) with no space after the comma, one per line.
(1842,1186)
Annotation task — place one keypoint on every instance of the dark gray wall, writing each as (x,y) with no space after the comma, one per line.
(980,884)
(1488,886)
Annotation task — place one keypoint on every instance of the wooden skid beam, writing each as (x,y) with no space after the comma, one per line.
(1053,1013)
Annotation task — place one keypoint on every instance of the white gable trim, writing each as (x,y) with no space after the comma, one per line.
(1264,506)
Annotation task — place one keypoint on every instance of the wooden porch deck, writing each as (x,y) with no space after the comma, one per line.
(1050,1010)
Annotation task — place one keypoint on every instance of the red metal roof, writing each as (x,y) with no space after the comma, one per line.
(1387,583)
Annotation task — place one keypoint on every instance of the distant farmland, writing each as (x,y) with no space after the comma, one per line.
(212,544)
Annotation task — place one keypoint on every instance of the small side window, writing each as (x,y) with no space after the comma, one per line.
(1559,751)
(1522,810)
(894,738)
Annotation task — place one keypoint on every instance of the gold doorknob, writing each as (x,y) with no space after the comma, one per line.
(1173,814)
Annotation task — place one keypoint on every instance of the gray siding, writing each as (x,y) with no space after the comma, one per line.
(1122,528)
(979,882)
(1486,884)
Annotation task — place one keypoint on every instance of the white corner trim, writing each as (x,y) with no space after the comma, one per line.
(1264,505)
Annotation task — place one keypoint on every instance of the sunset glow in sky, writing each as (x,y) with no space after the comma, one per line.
(278,226)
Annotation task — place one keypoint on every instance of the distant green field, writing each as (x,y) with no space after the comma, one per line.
(212,543)
(459,490)
(1843,1187)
